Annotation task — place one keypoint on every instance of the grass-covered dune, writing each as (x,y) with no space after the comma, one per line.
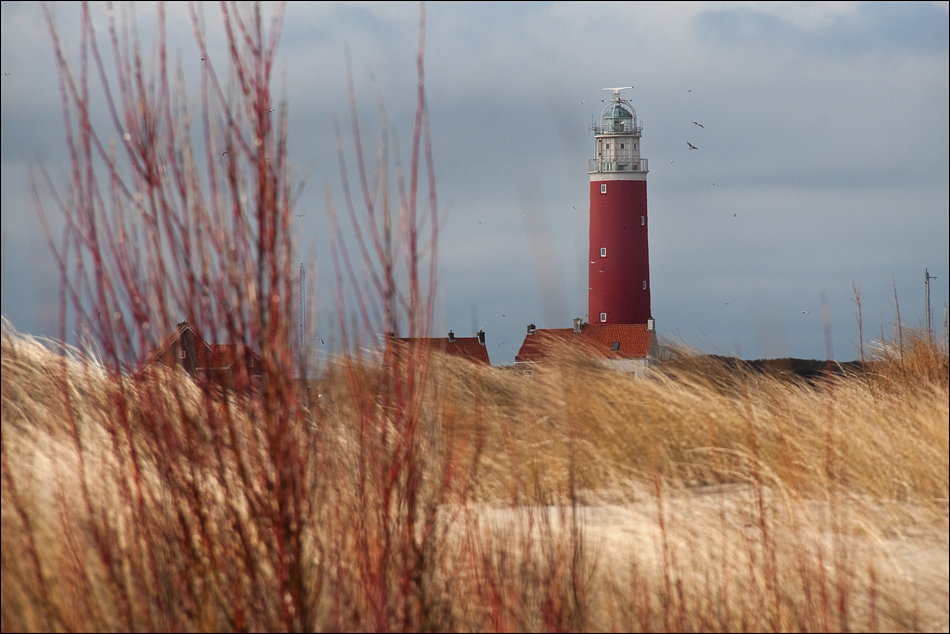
(708,496)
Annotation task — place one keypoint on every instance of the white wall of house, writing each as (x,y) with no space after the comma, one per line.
(637,367)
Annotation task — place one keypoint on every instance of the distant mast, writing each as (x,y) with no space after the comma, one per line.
(302,337)
(619,262)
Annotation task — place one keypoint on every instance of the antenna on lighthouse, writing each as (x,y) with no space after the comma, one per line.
(616,91)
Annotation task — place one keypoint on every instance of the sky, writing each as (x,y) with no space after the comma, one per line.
(822,164)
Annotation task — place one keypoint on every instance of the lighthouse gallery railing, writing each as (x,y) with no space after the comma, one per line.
(628,165)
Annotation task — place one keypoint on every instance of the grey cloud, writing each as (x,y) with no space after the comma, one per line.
(872,28)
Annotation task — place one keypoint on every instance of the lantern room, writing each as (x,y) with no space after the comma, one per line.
(618,138)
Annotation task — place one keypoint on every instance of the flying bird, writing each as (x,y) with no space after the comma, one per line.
(804,312)
(671,161)
(699,124)
(689,90)
(691,146)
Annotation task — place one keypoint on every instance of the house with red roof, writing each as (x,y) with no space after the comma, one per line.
(624,347)
(228,365)
(471,349)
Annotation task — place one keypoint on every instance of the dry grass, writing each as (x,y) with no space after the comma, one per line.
(577,499)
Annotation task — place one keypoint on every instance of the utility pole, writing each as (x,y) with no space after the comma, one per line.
(302,337)
(927,278)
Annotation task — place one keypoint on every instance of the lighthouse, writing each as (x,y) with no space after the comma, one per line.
(619,262)
(620,330)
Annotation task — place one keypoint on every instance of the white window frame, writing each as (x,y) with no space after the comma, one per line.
(643,221)
(182,354)
(603,252)
(603,188)
(603,318)
(644,285)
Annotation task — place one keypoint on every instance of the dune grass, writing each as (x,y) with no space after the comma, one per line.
(576,499)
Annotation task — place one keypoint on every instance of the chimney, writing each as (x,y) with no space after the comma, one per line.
(577,324)
(531,329)
(481,336)
(451,337)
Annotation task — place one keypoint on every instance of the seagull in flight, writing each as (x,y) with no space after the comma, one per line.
(691,146)
(699,124)
(804,312)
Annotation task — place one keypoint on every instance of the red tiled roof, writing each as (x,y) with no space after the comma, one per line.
(225,355)
(632,341)
(467,348)
(212,357)
(156,353)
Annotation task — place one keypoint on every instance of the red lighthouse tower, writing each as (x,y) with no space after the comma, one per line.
(619,274)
